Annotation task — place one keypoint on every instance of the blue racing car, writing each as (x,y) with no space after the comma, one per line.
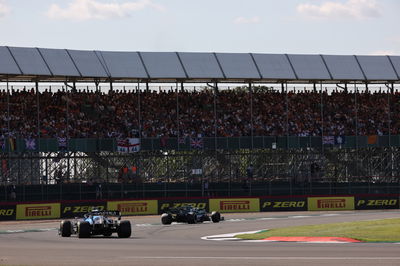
(96,223)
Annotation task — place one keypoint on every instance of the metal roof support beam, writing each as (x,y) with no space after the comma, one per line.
(177,112)
(96,83)
(73,87)
(8,108)
(287,114)
(394,68)
(139,111)
(251,116)
(343,88)
(215,115)
(38,107)
(13,57)
(390,86)
(322,119)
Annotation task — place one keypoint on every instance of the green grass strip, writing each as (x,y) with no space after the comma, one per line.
(385,230)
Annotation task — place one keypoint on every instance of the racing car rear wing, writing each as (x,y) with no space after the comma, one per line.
(106,213)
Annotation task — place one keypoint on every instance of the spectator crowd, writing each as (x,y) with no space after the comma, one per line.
(150,113)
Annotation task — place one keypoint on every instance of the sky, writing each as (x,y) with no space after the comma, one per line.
(361,27)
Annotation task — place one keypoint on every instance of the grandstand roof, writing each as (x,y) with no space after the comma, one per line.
(29,64)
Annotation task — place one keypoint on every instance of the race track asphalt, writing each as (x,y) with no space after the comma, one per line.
(181,244)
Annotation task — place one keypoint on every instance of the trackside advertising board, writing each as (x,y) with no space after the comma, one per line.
(197,203)
(7,212)
(235,205)
(283,204)
(376,202)
(71,210)
(330,203)
(136,207)
(38,211)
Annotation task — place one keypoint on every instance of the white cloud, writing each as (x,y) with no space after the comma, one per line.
(243,20)
(94,9)
(4,9)
(358,9)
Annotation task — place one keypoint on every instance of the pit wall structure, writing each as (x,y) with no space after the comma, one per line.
(71,209)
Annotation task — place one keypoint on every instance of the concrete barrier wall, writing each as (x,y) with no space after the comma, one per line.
(71,209)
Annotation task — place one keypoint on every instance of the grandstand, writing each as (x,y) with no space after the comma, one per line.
(97,124)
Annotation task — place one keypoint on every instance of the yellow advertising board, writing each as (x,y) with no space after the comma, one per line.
(330,203)
(235,205)
(135,207)
(38,211)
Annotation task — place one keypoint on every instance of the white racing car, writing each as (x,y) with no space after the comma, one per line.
(96,223)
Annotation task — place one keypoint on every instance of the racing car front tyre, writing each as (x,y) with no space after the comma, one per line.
(215,217)
(65,228)
(124,229)
(83,229)
(166,218)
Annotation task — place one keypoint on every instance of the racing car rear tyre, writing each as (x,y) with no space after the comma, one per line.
(65,228)
(124,229)
(166,218)
(215,217)
(191,218)
(83,229)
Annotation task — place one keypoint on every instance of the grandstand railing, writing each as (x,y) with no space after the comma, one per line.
(208,143)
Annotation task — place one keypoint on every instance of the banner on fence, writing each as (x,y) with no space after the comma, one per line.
(198,203)
(283,204)
(235,205)
(71,210)
(137,207)
(7,212)
(128,145)
(38,211)
(376,202)
(330,203)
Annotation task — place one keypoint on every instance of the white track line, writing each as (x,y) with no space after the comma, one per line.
(230,236)
(268,258)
